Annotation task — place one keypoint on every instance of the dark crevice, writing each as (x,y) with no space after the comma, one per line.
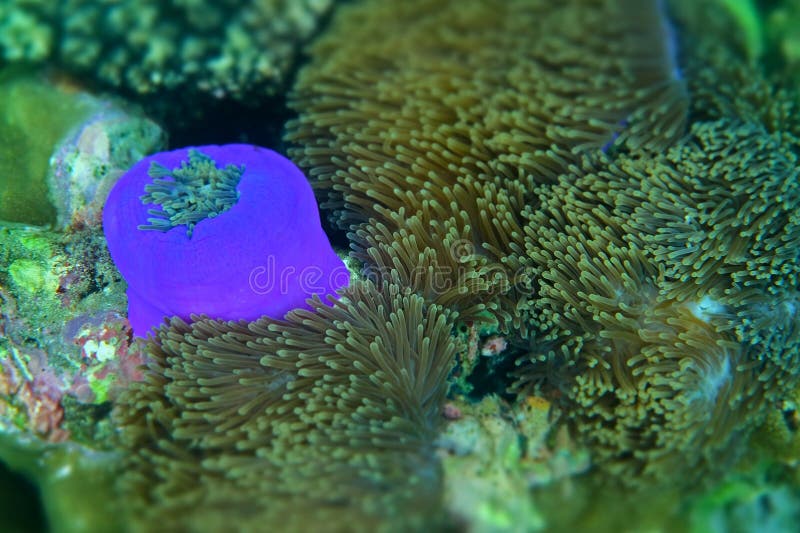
(21,509)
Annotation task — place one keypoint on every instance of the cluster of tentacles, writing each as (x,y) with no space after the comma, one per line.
(323,419)
(556,169)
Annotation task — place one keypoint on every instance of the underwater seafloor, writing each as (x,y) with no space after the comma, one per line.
(571,233)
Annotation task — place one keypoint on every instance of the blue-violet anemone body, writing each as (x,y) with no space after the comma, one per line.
(232,232)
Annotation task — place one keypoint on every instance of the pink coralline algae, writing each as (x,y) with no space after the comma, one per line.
(232,232)
(494,345)
(32,389)
(109,362)
(70,348)
(30,394)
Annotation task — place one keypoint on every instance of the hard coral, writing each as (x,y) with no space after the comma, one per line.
(230,231)
(224,49)
(229,49)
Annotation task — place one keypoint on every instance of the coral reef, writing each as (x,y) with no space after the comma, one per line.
(326,419)
(230,49)
(229,231)
(575,225)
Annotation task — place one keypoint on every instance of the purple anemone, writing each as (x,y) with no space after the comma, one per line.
(232,232)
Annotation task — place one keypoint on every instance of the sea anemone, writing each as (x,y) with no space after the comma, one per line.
(321,421)
(229,231)
(510,161)
(449,115)
(654,288)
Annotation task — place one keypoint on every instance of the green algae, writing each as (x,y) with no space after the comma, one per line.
(34,117)
(101,384)
(53,276)
(31,276)
(31,262)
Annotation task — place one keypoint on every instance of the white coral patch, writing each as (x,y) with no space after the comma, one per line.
(706,308)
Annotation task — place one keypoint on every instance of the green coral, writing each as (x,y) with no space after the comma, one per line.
(74,482)
(25,30)
(651,292)
(229,49)
(34,117)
